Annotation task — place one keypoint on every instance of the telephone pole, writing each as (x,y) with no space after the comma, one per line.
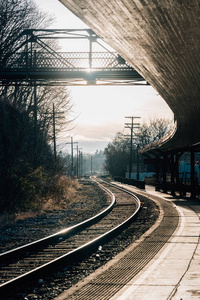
(54,117)
(78,161)
(54,133)
(35,123)
(35,116)
(131,125)
(54,127)
(72,155)
(91,166)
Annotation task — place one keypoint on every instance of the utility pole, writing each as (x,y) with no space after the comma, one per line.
(138,173)
(91,165)
(53,116)
(132,126)
(80,163)
(35,122)
(77,162)
(54,128)
(35,114)
(54,133)
(72,155)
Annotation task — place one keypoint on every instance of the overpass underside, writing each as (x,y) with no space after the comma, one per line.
(160,40)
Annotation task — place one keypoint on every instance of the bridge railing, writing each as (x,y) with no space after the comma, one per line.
(68,61)
(37,61)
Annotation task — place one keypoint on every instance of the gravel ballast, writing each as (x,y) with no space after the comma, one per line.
(52,286)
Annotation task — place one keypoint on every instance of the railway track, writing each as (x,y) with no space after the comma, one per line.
(28,263)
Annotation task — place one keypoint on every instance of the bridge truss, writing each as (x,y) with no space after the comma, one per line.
(36,61)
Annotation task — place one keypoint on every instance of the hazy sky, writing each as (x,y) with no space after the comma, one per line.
(101,111)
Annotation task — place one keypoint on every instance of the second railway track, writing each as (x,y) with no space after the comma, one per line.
(49,255)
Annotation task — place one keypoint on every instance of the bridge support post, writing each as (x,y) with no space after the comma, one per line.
(157,172)
(193,185)
(178,182)
(164,167)
(172,169)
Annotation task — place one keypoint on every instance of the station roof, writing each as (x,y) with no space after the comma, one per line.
(161,40)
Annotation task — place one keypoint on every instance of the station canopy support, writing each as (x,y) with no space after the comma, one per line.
(37,60)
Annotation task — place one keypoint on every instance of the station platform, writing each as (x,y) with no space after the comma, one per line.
(174,272)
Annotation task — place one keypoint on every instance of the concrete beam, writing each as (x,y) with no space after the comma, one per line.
(161,40)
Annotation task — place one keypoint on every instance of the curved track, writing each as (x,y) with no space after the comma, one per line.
(108,281)
(25,264)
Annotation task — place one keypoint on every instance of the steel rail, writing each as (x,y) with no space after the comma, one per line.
(11,254)
(75,254)
(125,190)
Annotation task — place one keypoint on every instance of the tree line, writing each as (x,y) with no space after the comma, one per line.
(28,169)
(117,153)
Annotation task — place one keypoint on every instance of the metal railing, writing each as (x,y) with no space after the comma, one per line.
(67,61)
(37,60)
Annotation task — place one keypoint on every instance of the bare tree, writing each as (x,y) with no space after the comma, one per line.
(117,155)
(16,16)
(21,178)
(118,151)
(153,130)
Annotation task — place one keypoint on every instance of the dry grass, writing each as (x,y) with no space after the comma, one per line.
(83,197)
(62,193)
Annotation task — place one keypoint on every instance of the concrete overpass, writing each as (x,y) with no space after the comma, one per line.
(161,40)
